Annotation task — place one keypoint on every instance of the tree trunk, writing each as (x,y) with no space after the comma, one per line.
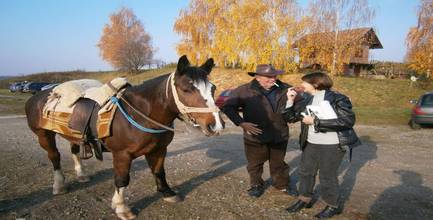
(334,52)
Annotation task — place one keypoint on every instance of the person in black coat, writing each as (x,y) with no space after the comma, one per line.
(326,134)
(265,130)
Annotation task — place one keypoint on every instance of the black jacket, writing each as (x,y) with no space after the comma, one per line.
(343,124)
(256,108)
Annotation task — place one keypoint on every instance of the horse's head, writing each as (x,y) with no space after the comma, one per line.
(194,92)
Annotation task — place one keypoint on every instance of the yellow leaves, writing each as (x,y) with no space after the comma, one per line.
(420,41)
(240,33)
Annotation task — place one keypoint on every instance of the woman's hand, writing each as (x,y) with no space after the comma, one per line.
(308,120)
(291,94)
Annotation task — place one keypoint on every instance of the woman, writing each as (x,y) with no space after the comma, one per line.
(323,139)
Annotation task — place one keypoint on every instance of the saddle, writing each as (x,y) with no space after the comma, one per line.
(83,119)
(84,113)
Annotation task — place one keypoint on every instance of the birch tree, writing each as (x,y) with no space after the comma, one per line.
(240,33)
(420,41)
(331,17)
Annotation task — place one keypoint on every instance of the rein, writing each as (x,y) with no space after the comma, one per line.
(115,101)
(183,109)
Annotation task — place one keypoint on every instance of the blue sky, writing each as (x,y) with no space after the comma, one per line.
(60,35)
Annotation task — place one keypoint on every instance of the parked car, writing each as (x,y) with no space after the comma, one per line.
(49,86)
(222,98)
(17,86)
(34,87)
(422,112)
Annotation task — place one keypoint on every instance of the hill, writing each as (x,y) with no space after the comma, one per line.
(375,101)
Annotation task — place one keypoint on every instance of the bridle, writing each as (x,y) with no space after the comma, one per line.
(183,109)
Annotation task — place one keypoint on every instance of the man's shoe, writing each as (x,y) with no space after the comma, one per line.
(328,212)
(299,205)
(256,191)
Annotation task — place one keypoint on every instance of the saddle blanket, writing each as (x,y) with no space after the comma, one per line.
(60,104)
(59,122)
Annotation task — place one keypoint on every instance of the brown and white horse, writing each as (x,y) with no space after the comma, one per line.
(186,93)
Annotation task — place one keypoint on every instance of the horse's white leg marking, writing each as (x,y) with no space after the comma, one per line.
(205,89)
(78,166)
(118,204)
(59,182)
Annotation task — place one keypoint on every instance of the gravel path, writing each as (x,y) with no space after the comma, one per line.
(390,177)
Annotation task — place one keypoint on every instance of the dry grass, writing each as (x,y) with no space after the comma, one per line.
(375,101)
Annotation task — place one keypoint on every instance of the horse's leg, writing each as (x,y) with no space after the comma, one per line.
(155,160)
(121,164)
(47,141)
(78,166)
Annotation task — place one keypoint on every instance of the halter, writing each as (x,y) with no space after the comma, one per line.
(183,109)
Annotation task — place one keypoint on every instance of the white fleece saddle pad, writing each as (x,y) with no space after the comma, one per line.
(64,96)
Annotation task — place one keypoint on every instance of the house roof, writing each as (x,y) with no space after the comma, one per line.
(365,35)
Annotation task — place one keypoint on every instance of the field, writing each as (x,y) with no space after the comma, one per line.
(375,101)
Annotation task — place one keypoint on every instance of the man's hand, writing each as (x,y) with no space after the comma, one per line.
(250,128)
(308,120)
(291,94)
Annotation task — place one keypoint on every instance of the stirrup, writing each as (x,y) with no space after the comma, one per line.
(85,151)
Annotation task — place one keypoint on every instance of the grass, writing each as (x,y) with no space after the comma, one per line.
(12,103)
(375,101)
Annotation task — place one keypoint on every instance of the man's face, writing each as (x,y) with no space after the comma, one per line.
(266,81)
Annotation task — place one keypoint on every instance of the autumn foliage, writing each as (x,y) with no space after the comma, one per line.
(124,42)
(420,41)
(240,33)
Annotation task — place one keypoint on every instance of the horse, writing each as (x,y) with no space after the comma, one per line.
(185,93)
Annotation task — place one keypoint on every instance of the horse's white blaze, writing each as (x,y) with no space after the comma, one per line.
(205,89)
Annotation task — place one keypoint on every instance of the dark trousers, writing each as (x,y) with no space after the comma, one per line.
(326,159)
(257,154)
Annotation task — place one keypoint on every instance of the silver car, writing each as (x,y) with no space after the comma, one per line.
(422,112)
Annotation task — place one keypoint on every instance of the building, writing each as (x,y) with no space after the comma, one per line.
(316,49)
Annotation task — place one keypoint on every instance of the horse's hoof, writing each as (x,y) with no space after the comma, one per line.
(59,191)
(126,215)
(83,179)
(173,199)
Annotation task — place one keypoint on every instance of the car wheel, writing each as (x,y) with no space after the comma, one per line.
(414,125)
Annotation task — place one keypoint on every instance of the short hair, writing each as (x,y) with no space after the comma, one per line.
(319,80)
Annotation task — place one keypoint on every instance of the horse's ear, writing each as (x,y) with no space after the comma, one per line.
(208,65)
(182,64)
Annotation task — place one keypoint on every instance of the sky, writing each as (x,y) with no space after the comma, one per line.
(60,35)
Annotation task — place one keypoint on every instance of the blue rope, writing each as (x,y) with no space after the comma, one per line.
(115,101)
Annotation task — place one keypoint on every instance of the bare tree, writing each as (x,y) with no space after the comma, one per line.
(332,16)
(124,42)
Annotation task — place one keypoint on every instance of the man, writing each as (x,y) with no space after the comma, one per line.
(265,132)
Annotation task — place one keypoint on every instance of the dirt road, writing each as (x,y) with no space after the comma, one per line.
(390,177)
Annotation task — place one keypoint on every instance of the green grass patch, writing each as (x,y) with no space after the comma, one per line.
(12,103)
